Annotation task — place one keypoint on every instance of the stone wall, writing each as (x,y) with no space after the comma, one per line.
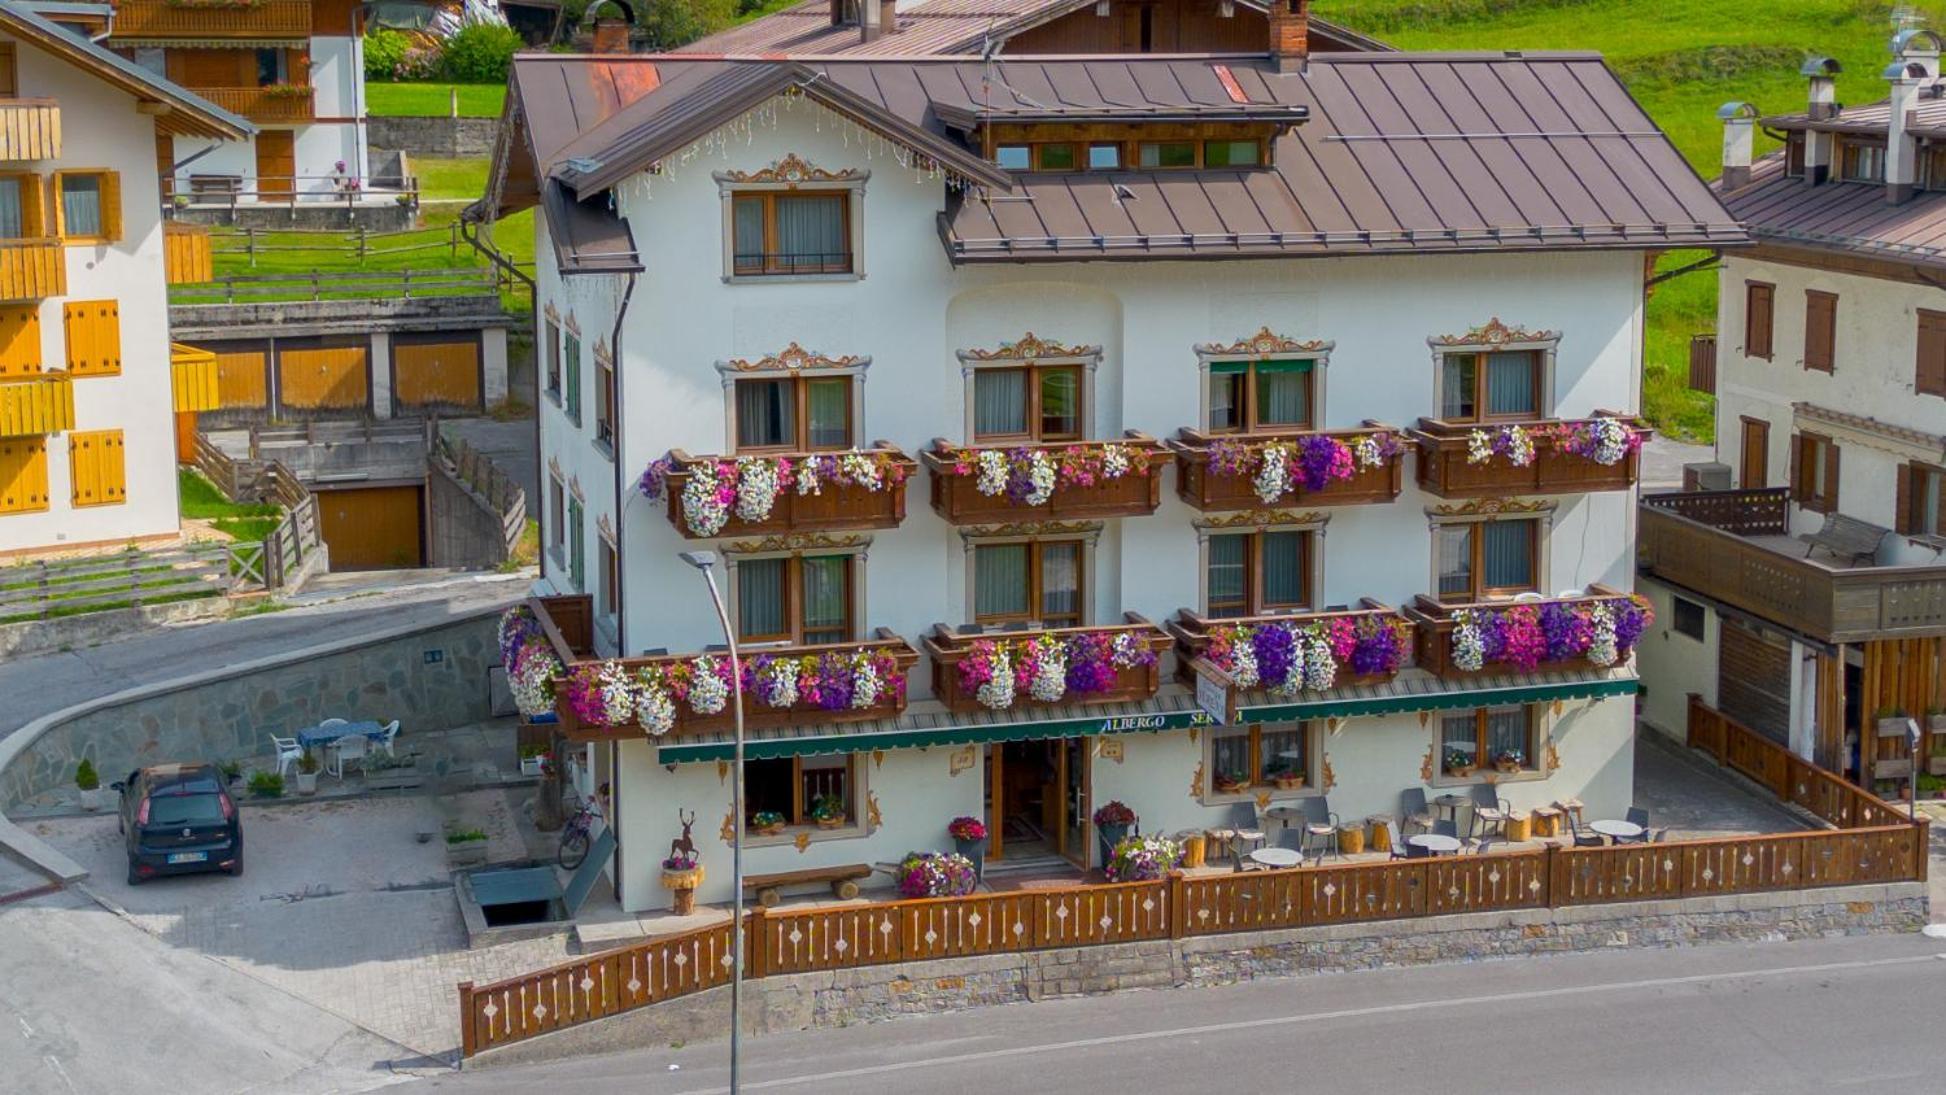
(447,138)
(873,993)
(465,528)
(432,678)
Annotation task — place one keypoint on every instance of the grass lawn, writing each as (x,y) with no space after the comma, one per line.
(390,100)
(200,500)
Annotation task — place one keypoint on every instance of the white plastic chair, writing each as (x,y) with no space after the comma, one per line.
(288,753)
(347,748)
(384,738)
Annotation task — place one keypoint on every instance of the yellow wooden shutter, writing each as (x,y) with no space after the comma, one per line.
(96,467)
(20,340)
(23,475)
(33,208)
(94,335)
(111,205)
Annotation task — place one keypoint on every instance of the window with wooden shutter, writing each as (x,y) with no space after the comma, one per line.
(1922,500)
(1930,376)
(22,207)
(1754,470)
(23,475)
(94,335)
(88,206)
(9,71)
(1758,310)
(1814,472)
(96,468)
(1820,330)
(20,340)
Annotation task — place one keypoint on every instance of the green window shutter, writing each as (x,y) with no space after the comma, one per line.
(574,379)
(578,554)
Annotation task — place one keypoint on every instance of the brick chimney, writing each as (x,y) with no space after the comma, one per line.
(1739,143)
(611,35)
(1915,70)
(1290,33)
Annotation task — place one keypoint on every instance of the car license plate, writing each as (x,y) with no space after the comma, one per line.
(188,857)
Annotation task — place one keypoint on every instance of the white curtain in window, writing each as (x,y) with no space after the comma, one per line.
(1281,751)
(1283,568)
(1060,580)
(1230,753)
(1225,391)
(81,205)
(1457,735)
(1060,402)
(1506,730)
(1454,543)
(1228,555)
(12,224)
(811,230)
(760,599)
(828,407)
(1509,554)
(999,402)
(748,221)
(826,595)
(1456,386)
(1283,393)
(764,413)
(1510,383)
(1000,580)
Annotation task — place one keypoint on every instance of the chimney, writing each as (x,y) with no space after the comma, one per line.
(1824,106)
(888,16)
(871,20)
(1739,142)
(1290,33)
(611,35)
(1916,68)
(837,13)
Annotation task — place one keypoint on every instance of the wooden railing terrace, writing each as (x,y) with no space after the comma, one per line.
(186,257)
(297,536)
(32,269)
(506,498)
(30,129)
(265,104)
(265,19)
(33,406)
(1445,470)
(193,379)
(957,497)
(1697,540)
(1201,487)
(1871,843)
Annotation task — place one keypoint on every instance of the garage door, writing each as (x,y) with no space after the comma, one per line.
(436,374)
(318,375)
(242,375)
(1753,680)
(372,527)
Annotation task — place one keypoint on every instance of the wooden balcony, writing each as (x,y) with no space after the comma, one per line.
(186,256)
(32,269)
(163,20)
(1439,620)
(1228,481)
(1136,677)
(278,103)
(1082,489)
(1733,547)
(1446,470)
(838,506)
(35,406)
(192,376)
(1201,641)
(30,129)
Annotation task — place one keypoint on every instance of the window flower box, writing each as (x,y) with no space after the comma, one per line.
(1296,653)
(1544,634)
(984,670)
(1219,472)
(1537,456)
(773,493)
(1053,481)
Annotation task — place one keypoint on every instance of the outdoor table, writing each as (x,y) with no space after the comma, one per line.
(1435,843)
(1616,830)
(1277,857)
(1285,815)
(1451,804)
(315,736)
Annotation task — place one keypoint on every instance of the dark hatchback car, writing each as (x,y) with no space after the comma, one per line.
(179,819)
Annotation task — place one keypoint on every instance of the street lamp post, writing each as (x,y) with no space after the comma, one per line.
(705,561)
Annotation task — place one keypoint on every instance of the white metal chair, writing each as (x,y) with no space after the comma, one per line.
(288,753)
(385,738)
(350,747)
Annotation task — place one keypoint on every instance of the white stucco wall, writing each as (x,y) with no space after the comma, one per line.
(1672,665)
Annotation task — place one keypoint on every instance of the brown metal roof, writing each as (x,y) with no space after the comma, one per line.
(1928,120)
(1840,216)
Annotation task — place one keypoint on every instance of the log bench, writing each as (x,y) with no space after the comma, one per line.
(843,880)
(1847,538)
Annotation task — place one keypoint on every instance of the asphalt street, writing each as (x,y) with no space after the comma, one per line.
(1813,1016)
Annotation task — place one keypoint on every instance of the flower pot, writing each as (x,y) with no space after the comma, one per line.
(466,853)
(94,799)
(1290,783)
(1461,772)
(532,766)
(1110,835)
(307,783)
(975,850)
(837,822)
(1506,767)
(1228,786)
(767,830)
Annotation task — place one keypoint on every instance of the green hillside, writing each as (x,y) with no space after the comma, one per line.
(1682,59)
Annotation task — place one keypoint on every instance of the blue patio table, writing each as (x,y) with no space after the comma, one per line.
(315,737)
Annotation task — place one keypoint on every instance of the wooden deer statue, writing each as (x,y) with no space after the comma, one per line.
(684,847)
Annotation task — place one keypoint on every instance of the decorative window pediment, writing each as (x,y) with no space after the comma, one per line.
(1265,343)
(1030,349)
(1261,520)
(793,359)
(1497,335)
(792,171)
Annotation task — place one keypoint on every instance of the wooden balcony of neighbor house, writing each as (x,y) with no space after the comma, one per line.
(1735,547)
(30,129)
(824,680)
(1046,481)
(186,255)
(192,378)
(1370,643)
(1118,663)
(34,406)
(175,19)
(855,490)
(1527,633)
(274,103)
(1454,463)
(32,269)
(1218,472)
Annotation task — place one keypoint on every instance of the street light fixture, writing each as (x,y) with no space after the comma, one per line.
(705,561)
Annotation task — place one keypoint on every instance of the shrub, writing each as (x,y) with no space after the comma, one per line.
(384,50)
(85,776)
(266,785)
(481,54)
(465,836)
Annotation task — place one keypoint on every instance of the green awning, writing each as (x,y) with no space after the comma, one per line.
(1328,708)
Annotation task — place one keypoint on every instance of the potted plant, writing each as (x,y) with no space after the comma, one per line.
(1287,778)
(828,811)
(1459,763)
(1891,722)
(89,783)
(1231,783)
(1112,823)
(307,774)
(970,840)
(681,874)
(533,759)
(232,770)
(1143,859)
(1509,761)
(1936,720)
(936,874)
(767,823)
(266,785)
(466,848)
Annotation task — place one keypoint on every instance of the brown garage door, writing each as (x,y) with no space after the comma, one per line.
(372,527)
(436,374)
(318,374)
(1753,680)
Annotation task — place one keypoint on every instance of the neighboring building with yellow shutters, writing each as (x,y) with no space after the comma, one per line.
(90,384)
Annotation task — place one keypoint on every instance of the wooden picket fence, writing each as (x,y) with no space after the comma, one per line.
(1869,843)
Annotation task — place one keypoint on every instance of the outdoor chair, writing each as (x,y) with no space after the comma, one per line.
(1242,828)
(1292,839)
(1637,816)
(1320,826)
(1584,840)
(351,747)
(1413,810)
(1394,846)
(289,752)
(386,737)
(1490,811)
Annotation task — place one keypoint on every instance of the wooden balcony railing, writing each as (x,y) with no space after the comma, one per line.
(32,269)
(1515,636)
(192,376)
(163,19)
(30,129)
(1216,472)
(1120,664)
(855,490)
(282,103)
(1698,541)
(34,406)
(1090,479)
(1446,467)
(186,257)
(1369,644)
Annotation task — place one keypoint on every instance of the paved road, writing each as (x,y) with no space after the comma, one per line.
(1774,1018)
(38,686)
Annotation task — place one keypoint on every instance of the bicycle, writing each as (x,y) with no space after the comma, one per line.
(577,835)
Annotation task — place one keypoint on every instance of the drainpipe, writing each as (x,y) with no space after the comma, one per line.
(621,564)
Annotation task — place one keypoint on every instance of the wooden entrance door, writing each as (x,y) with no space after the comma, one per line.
(1043,783)
(1754,457)
(276,161)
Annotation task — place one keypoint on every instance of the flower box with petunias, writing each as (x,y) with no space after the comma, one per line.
(793,685)
(998,671)
(771,493)
(1049,481)
(1596,630)
(1294,655)
(533,668)
(1218,472)
(935,874)
(1539,456)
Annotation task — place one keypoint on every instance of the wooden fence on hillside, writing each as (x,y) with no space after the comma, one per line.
(297,536)
(1869,843)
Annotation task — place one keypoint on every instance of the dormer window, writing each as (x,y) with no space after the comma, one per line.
(1861,161)
(1104,157)
(1232,153)
(1015,157)
(1166,154)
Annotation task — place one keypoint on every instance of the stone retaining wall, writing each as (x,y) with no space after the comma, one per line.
(447,138)
(844,997)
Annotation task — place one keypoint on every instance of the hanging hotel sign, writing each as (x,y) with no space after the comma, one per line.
(1214,692)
